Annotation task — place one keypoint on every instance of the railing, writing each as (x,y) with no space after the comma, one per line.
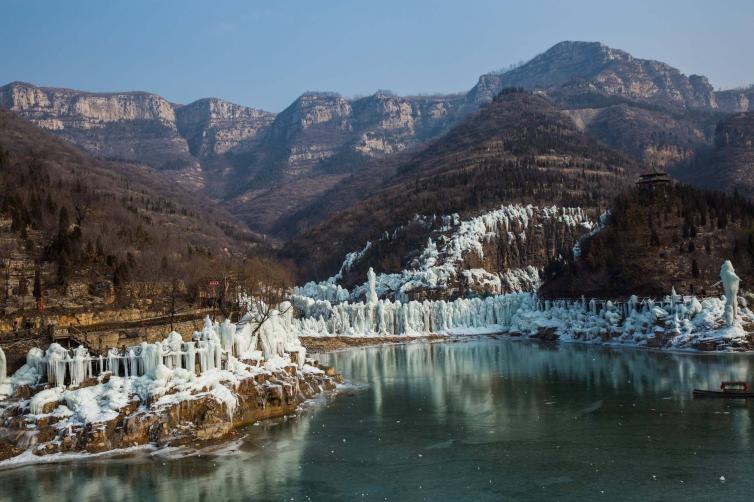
(19,335)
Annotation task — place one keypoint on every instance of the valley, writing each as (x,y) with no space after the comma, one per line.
(172,275)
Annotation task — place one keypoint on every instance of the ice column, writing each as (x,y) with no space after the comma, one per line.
(372,279)
(3,368)
(730,284)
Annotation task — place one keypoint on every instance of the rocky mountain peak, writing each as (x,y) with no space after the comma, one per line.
(54,108)
(214,126)
(570,70)
(311,109)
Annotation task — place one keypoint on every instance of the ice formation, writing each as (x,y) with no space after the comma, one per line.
(674,321)
(372,280)
(441,261)
(730,285)
(3,370)
(386,317)
(217,356)
(601,223)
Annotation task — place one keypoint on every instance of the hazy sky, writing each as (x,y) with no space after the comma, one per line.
(266,53)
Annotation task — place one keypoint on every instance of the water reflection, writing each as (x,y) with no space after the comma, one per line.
(486,419)
(254,466)
(445,367)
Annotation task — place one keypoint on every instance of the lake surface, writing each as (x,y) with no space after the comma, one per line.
(477,420)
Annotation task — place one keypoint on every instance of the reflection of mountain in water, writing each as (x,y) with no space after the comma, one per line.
(486,419)
(459,376)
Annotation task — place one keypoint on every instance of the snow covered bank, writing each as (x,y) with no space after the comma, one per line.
(674,323)
(441,263)
(224,377)
(386,317)
(671,322)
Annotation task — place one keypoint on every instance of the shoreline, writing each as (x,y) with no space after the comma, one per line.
(337,343)
(175,417)
(188,446)
(316,345)
(326,344)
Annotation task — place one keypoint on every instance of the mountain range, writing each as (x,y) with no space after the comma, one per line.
(269,168)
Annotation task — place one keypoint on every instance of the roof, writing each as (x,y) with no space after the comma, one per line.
(653,178)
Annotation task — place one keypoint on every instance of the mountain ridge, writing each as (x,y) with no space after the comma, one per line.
(268,167)
(517,149)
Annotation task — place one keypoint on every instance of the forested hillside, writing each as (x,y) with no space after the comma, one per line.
(656,239)
(728,164)
(517,149)
(80,231)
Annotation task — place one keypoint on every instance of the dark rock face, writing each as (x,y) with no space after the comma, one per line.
(727,164)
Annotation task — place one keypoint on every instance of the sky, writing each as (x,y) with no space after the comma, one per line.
(266,53)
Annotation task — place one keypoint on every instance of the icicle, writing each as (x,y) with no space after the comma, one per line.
(191,357)
(113,361)
(203,356)
(78,365)
(372,280)
(218,355)
(56,357)
(3,368)
(133,362)
(227,332)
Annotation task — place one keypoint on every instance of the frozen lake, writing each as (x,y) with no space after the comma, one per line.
(478,420)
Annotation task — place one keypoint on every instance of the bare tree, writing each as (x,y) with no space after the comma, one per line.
(6,250)
(265,287)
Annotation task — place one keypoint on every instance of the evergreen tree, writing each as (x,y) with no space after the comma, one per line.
(37,285)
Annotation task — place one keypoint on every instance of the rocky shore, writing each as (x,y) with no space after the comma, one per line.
(179,390)
(40,420)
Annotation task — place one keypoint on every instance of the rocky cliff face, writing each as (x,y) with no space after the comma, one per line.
(322,138)
(213,126)
(386,123)
(132,126)
(57,109)
(321,126)
(736,100)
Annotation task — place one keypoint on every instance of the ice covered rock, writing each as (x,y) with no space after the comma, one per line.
(730,285)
